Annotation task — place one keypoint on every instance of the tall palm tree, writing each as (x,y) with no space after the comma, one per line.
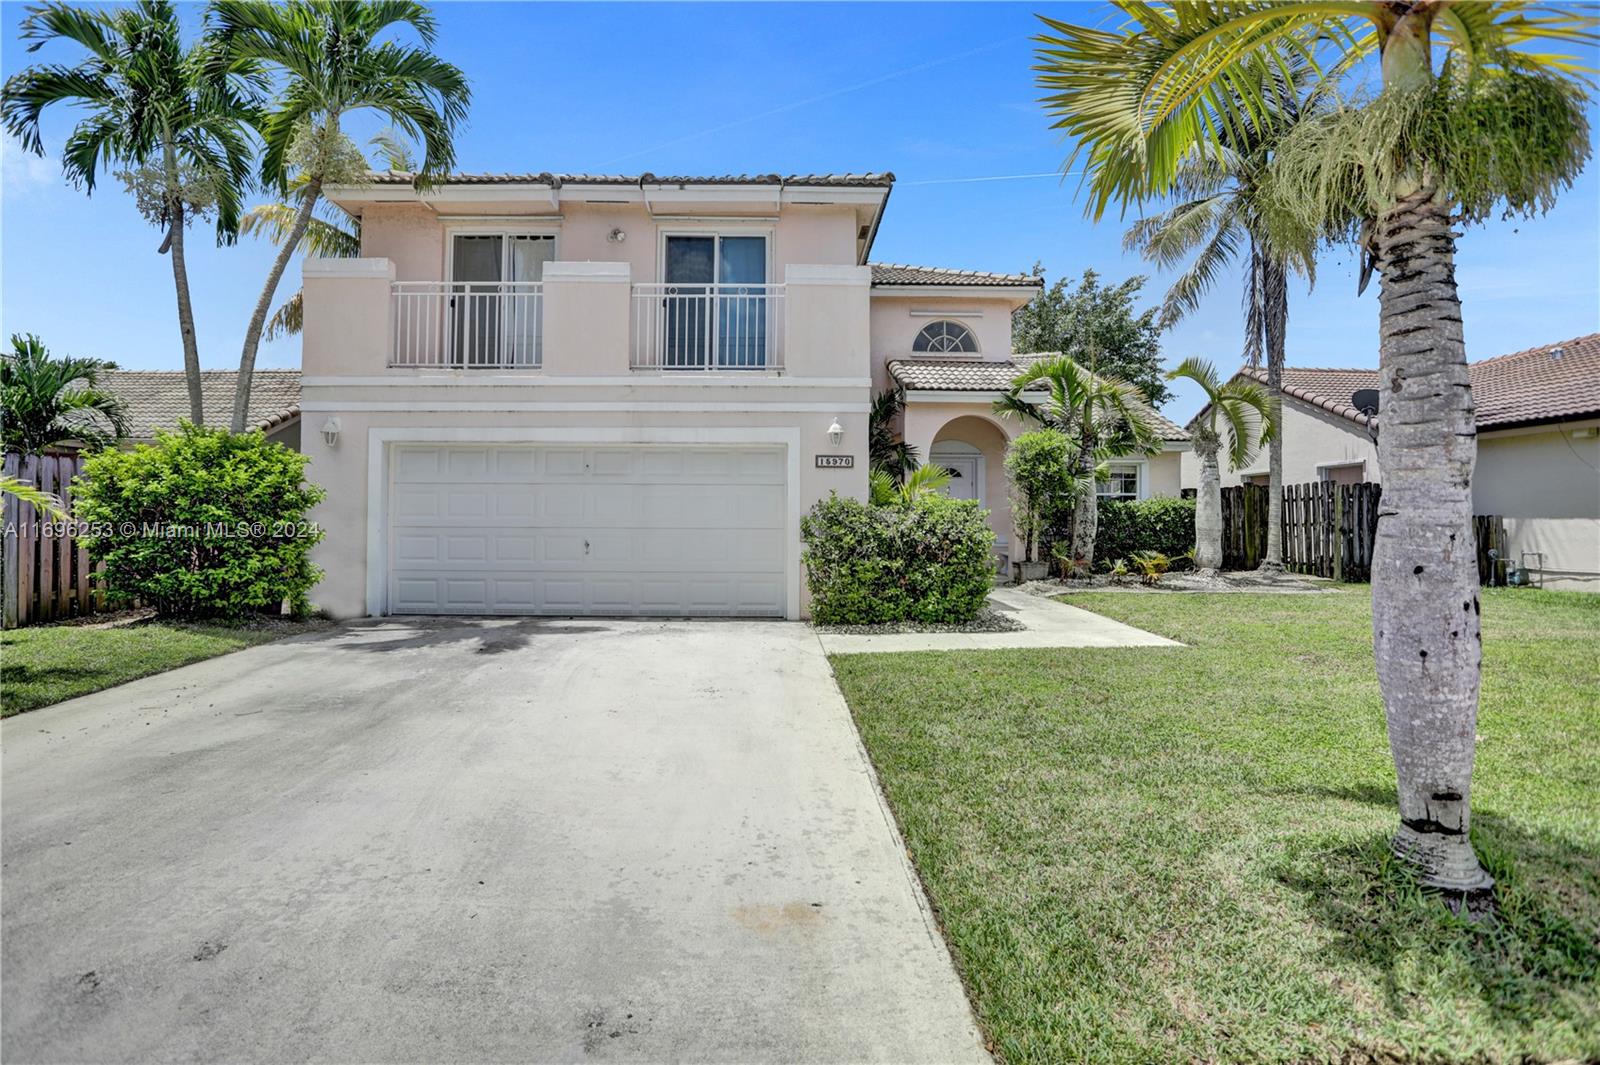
(174,121)
(1475,115)
(1104,416)
(1221,218)
(333,61)
(1249,420)
(46,402)
(332,233)
(887,449)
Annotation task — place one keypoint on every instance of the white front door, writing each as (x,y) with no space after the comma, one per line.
(570,529)
(965,464)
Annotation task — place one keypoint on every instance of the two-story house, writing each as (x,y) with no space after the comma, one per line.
(573,394)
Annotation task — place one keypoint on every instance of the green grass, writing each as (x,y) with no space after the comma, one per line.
(1182,853)
(48,663)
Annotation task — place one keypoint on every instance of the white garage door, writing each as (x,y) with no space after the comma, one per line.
(568,529)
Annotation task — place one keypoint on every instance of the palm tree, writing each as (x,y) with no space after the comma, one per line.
(46,402)
(1248,417)
(1470,120)
(47,503)
(1106,417)
(1221,217)
(333,62)
(174,120)
(333,232)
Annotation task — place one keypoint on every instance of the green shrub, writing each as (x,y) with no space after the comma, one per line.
(1039,471)
(201,523)
(1125,527)
(930,561)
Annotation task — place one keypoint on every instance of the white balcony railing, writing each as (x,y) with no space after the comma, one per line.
(467,324)
(707,327)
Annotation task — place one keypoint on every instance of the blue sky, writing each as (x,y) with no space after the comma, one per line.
(941,94)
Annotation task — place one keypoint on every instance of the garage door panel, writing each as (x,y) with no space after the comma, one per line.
(556,529)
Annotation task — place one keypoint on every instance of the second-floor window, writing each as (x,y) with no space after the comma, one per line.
(945,338)
(715,308)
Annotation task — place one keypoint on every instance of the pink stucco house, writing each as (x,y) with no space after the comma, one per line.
(570,394)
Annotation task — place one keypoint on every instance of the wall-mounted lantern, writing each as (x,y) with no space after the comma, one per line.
(835,433)
(330,432)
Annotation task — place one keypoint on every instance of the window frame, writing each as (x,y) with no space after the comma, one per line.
(1141,481)
(971,336)
(452,230)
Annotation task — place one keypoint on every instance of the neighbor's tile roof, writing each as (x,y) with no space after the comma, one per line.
(873,180)
(970,375)
(901,274)
(156,399)
(1524,386)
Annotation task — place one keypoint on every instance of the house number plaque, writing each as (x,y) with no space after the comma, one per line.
(835,462)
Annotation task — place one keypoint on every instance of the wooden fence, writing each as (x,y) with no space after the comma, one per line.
(47,576)
(1328,530)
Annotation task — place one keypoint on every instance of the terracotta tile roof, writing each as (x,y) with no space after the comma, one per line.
(970,375)
(156,399)
(1525,386)
(872,180)
(901,274)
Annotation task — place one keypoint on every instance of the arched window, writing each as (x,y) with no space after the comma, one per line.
(945,338)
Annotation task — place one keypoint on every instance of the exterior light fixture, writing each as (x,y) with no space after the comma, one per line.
(330,432)
(616,236)
(835,433)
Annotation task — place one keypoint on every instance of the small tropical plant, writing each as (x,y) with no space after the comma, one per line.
(884,491)
(1119,567)
(1104,417)
(1246,417)
(1152,565)
(172,120)
(45,502)
(886,448)
(48,402)
(334,59)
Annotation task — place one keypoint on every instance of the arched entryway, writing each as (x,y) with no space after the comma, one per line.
(973,447)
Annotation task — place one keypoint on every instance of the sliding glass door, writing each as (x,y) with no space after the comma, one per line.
(715,309)
(496,311)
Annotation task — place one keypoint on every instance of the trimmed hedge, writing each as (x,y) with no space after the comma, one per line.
(1125,526)
(931,561)
(202,523)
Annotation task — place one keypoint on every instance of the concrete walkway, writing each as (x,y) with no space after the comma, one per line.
(468,841)
(1048,624)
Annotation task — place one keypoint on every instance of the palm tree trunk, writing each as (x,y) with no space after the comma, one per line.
(1086,515)
(1424,565)
(1208,502)
(258,320)
(1276,296)
(191,349)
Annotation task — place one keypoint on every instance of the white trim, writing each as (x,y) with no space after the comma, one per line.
(378,440)
(715,219)
(502,406)
(317,266)
(1141,467)
(815,274)
(588,272)
(917,312)
(960,292)
(1322,468)
(467,378)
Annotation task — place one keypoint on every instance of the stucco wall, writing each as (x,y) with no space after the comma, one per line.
(416,237)
(1538,473)
(1312,439)
(895,328)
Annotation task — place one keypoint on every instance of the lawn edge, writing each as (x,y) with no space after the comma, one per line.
(926,903)
(309,630)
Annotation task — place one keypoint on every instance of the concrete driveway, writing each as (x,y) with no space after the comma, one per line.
(468,841)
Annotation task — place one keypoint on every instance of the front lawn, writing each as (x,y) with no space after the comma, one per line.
(1181,853)
(48,663)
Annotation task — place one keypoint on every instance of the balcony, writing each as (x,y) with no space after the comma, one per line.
(706,327)
(583,319)
(467,325)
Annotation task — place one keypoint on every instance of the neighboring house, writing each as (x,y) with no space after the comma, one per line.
(573,394)
(1538,415)
(157,399)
